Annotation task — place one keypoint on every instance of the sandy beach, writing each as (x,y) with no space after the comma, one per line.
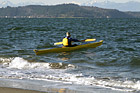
(16,90)
(24,86)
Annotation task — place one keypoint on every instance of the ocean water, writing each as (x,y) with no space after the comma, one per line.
(113,67)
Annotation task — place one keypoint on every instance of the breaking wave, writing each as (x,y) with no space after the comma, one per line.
(21,63)
(19,68)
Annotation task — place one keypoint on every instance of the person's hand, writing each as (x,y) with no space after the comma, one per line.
(82,40)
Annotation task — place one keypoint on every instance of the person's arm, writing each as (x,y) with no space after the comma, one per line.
(76,40)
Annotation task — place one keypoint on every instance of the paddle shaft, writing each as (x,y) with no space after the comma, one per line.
(86,40)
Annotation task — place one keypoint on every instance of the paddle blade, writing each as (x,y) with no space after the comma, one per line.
(58,43)
(89,40)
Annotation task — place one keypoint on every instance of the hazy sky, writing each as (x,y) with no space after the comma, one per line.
(49,2)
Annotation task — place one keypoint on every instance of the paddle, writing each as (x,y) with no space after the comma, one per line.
(86,40)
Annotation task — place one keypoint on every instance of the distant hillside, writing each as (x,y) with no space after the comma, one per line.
(64,10)
(134,14)
(128,6)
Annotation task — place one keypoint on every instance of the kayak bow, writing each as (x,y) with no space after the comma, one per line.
(66,49)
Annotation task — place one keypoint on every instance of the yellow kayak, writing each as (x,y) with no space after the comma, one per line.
(67,49)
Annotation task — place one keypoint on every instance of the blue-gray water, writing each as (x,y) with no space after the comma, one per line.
(113,66)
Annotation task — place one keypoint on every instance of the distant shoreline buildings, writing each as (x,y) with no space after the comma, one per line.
(64,11)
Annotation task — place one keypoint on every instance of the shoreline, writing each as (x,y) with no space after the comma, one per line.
(35,86)
(32,86)
(17,90)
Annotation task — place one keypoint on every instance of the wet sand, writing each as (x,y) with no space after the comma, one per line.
(25,86)
(16,90)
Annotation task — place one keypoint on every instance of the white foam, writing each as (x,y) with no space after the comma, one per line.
(5,59)
(21,63)
(43,71)
(137,85)
(128,86)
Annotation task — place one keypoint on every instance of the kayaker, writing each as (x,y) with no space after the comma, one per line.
(67,41)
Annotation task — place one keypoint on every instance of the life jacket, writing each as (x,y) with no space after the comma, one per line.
(66,42)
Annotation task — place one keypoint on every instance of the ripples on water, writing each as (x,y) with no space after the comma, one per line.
(112,65)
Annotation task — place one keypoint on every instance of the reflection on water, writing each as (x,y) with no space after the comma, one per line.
(65,59)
